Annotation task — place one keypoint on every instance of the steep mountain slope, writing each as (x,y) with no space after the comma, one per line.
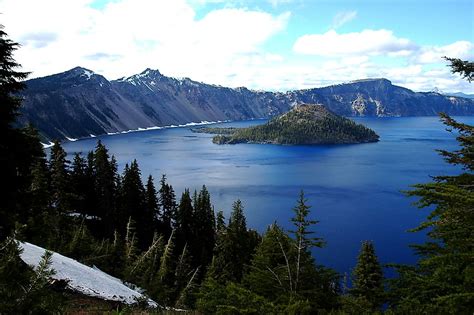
(78,102)
(304,124)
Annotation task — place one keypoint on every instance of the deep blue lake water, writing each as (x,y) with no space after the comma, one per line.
(354,190)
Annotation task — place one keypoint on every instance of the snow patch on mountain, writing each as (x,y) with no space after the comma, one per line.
(84,279)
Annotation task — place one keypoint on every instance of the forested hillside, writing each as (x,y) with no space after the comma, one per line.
(304,124)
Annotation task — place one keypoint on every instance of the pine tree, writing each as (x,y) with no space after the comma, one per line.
(90,196)
(184,219)
(133,204)
(268,275)
(105,190)
(368,277)
(60,183)
(462,67)
(166,272)
(203,229)
(79,183)
(442,280)
(168,206)
(304,242)
(10,138)
(22,289)
(151,200)
(220,222)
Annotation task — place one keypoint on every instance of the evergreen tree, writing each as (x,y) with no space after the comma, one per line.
(368,277)
(151,200)
(30,154)
(40,189)
(168,206)
(23,290)
(220,222)
(11,139)
(203,229)
(268,275)
(184,219)
(90,196)
(462,67)
(166,272)
(442,281)
(79,184)
(60,183)
(133,204)
(234,248)
(184,278)
(302,235)
(105,190)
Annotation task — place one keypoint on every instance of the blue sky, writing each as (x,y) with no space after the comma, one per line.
(267,44)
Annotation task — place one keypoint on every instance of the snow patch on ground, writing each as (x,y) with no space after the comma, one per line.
(47,145)
(84,279)
(190,124)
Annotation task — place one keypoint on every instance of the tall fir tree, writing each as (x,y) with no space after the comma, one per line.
(184,220)
(202,244)
(442,282)
(14,163)
(79,183)
(133,204)
(60,182)
(105,190)
(367,282)
(151,200)
(302,235)
(167,200)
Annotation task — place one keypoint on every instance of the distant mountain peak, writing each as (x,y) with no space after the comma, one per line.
(82,74)
(153,72)
(144,76)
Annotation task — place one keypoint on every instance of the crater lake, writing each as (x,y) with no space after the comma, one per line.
(355,190)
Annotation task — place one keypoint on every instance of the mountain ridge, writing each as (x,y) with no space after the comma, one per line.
(79,102)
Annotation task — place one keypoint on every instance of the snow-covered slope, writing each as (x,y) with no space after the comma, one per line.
(84,279)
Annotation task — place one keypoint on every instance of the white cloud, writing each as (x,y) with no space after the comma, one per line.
(342,18)
(131,35)
(368,42)
(224,46)
(434,54)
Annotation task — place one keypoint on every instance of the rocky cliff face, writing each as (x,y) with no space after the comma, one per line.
(78,102)
(379,97)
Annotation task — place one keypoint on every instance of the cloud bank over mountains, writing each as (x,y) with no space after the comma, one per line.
(233,45)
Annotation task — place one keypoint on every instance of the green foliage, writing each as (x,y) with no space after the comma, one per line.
(23,290)
(215,130)
(231,299)
(368,277)
(106,191)
(442,281)
(167,202)
(234,248)
(58,167)
(268,275)
(463,67)
(203,229)
(19,149)
(305,124)
(284,272)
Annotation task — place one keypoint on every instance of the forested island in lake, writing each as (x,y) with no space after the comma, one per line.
(304,124)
